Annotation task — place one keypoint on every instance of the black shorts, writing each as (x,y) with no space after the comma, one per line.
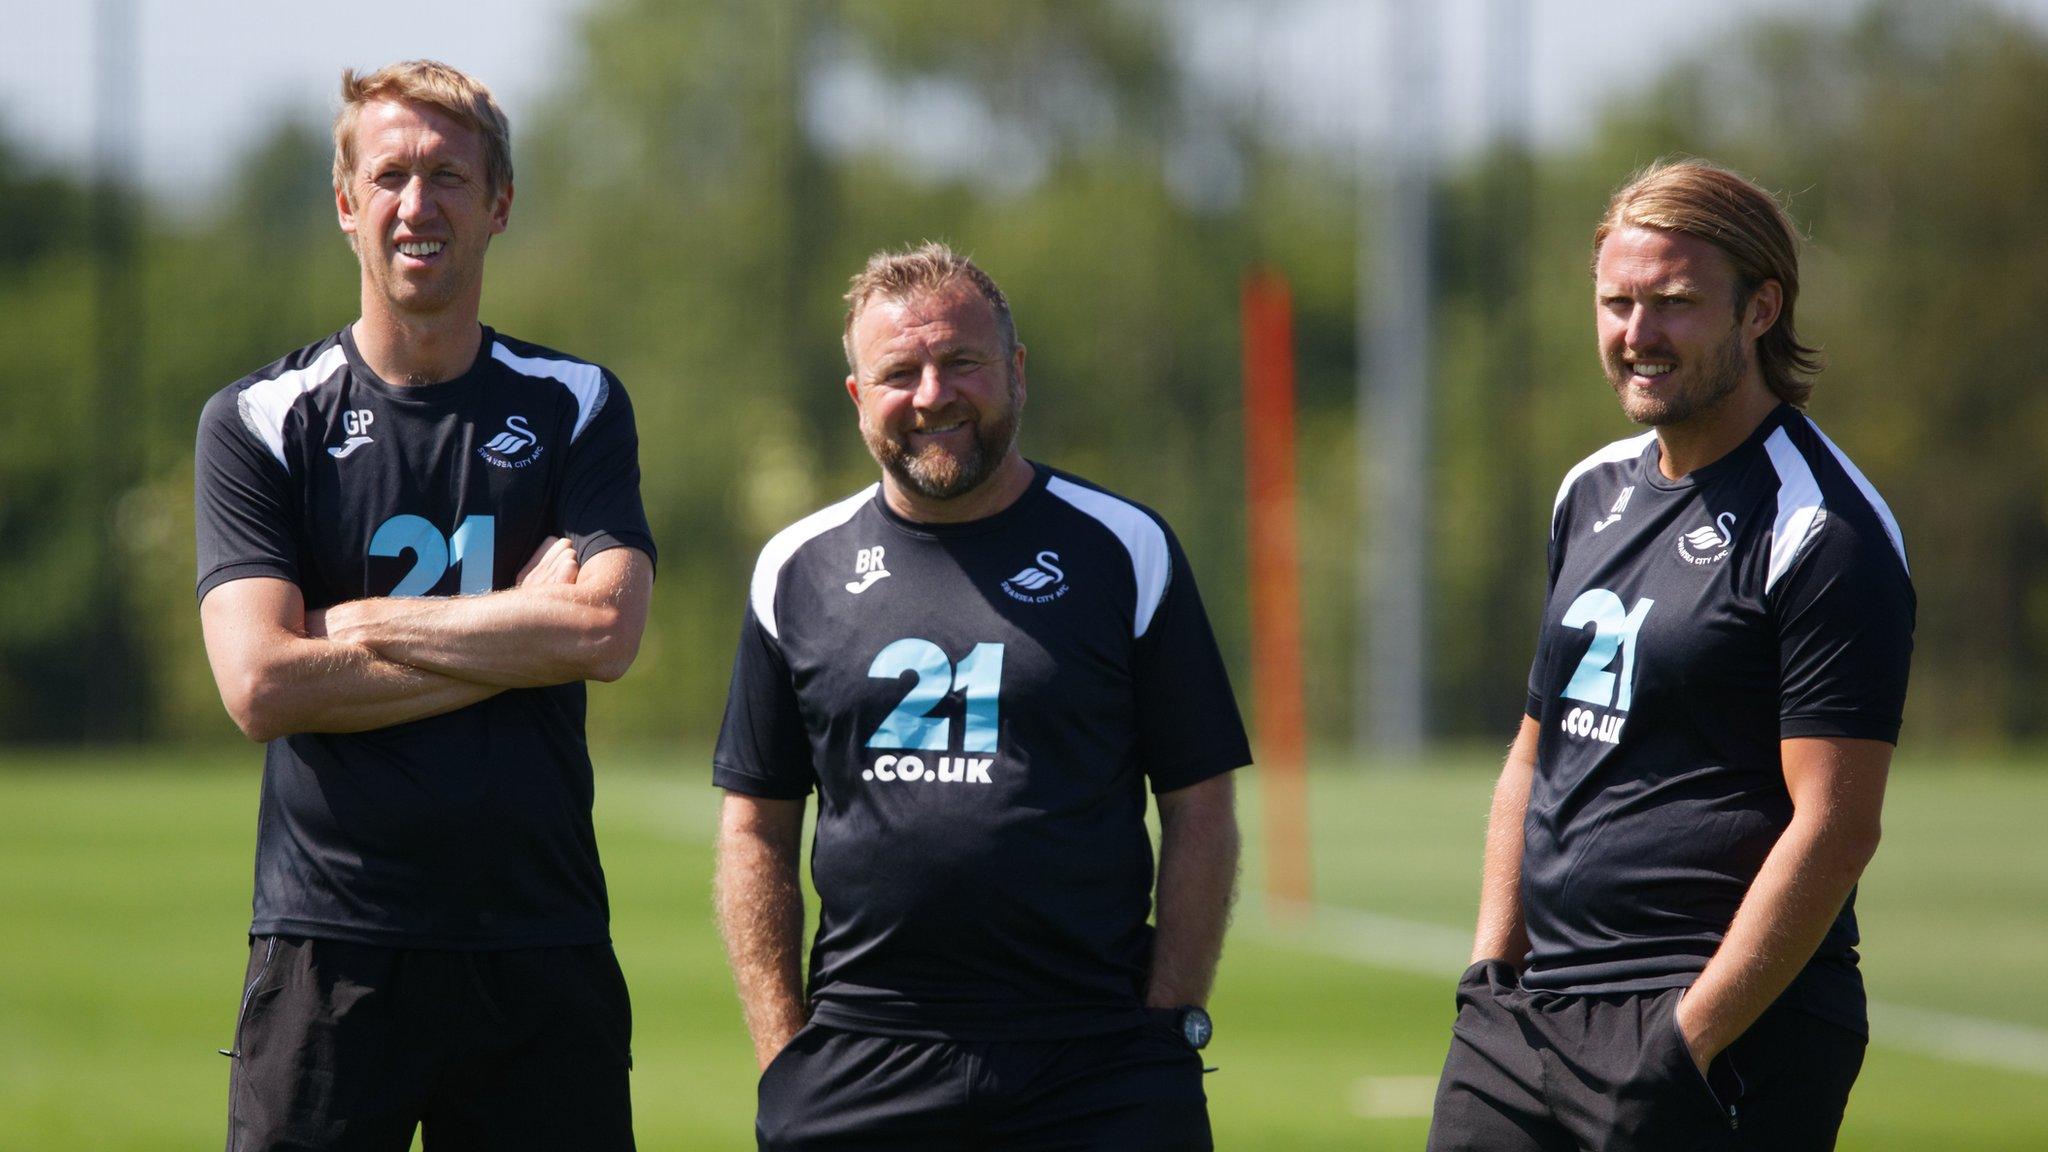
(1134,1091)
(352,1046)
(1552,1072)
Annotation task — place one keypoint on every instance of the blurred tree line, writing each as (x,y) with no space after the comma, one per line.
(694,195)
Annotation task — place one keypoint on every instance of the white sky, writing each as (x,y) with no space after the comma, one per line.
(213,74)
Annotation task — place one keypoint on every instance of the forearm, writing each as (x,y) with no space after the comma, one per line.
(314,685)
(1501,933)
(561,622)
(761,916)
(1795,898)
(516,638)
(1198,861)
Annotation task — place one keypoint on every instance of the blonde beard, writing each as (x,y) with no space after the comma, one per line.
(1714,381)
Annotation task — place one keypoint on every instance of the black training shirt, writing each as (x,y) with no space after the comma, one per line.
(470,829)
(979,707)
(1691,625)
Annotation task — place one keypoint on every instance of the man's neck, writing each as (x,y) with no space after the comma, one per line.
(408,350)
(1011,479)
(1715,432)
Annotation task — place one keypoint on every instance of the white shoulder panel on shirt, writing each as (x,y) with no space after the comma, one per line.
(1613,453)
(783,545)
(585,381)
(1142,537)
(264,404)
(1801,511)
(1884,511)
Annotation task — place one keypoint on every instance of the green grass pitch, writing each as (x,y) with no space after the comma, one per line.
(124,895)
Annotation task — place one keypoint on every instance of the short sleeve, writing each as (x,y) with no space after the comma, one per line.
(1554,553)
(599,507)
(763,747)
(1845,616)
(1188,726)
(245,511)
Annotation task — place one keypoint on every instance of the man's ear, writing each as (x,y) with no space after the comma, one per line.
(345,211)
(501,210)
(1764,306)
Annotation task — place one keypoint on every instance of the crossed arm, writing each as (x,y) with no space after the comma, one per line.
(1837,788)
(369,664)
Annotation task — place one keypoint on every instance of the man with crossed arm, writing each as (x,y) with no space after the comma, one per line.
(417,538)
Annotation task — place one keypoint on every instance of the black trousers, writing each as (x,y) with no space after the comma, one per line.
(351,1047)
(1132,1091)
(1550,1072)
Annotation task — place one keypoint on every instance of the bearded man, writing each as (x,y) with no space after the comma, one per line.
(1666,951)
(979,664)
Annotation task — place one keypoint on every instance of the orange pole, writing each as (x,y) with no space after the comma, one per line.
(1275,584)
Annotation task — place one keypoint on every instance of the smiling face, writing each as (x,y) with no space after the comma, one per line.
(940,395)
(419,210)
(1676,338)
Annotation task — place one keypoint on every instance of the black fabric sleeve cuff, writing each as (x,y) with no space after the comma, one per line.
(1189,774)
(748,784)
(1848,725)
(606,541)
(228,573)
(1533,708)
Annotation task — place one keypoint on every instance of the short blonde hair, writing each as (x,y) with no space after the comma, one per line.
(920,271)
(1737,216)
(438,86)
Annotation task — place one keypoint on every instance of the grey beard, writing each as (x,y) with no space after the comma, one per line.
(936,476)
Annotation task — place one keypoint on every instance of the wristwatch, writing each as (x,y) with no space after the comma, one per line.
(1195,1026)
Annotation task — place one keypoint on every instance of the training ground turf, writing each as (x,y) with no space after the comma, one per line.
(124,896)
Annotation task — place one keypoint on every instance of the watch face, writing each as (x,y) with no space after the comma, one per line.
(1196,1028)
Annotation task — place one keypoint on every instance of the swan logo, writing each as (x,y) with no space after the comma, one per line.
(1038,582)
(1709,542)
(506,448)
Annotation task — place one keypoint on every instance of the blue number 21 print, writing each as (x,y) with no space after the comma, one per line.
(471,549)
(979,677)
(1614,630)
